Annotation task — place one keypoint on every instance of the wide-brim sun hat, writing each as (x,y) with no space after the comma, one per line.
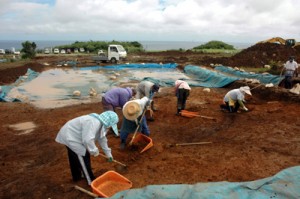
(109,119)
(132,110)
(246,89)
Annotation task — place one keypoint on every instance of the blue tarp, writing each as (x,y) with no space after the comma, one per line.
(197,76)
(200,76)
(30,74)
(263,78)
(285,184)
(124,66)
(208,78)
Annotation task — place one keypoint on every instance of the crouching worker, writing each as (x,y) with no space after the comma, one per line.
(234,99)
(79,136)
(133,117)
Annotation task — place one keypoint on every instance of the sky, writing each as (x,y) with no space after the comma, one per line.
(243,21)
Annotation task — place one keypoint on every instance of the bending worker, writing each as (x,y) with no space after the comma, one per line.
(182,91)
(117,97)
(79,136)
(234,99)
(133,117)
(148,89)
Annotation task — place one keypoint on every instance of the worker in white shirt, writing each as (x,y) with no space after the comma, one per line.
(79,136)
(290,69)
(234,99)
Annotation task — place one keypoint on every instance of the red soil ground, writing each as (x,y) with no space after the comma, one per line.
(245,146)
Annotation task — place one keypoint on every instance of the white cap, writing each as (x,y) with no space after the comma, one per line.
(245,89)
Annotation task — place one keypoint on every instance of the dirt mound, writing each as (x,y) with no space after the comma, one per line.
(258,56)
(10,75)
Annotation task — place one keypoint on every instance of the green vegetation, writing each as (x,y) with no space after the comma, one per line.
(217,51)
(274,70)
(215,45)
(94,46)
(28,50)
(276,67)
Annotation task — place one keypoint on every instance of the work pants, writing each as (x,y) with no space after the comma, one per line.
(76,168)
(130,127)
(182,95)
(288,82)
(233,109)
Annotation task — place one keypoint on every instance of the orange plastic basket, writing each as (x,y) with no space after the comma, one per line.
(143,140)
(109,184)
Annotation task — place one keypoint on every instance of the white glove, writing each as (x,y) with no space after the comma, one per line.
(96,153)
(245,108)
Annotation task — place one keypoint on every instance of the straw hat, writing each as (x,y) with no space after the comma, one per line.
(132,110)
(245,89)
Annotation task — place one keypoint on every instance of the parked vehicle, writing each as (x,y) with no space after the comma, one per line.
(47,51)
(63,51)
(7,51)
(76,50)
(114,54)
(81,50)
(2,51)
(56,51)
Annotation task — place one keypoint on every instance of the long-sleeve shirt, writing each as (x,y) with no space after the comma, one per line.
(235,95)
(80,134)
(182,84)
(129,126)
(144,89)
(117,97)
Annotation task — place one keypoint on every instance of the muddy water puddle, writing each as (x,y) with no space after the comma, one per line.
(63,87)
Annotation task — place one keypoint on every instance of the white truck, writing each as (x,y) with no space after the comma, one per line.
(114,54)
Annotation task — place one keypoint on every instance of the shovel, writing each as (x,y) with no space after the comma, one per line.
(141,137)
(190,114)
(138,126)
(121,165)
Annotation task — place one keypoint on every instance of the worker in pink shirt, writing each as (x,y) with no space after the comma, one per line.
(182,91)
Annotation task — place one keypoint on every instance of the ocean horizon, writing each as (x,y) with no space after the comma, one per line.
(148,45)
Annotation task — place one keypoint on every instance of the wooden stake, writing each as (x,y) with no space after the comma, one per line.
(192,143)
(86,191)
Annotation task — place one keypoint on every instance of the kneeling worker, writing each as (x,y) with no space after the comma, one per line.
(234,99)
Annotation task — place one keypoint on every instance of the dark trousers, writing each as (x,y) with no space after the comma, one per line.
(130,126)
(182,95)
(75,166)
(233,109)
(288,82)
